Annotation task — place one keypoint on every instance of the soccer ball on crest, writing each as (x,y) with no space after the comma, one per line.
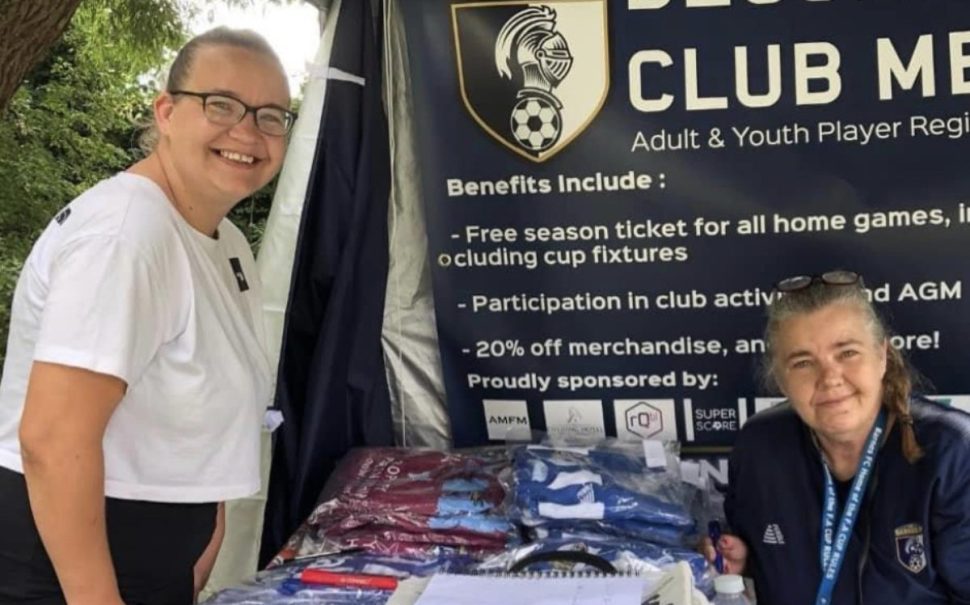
(536,123)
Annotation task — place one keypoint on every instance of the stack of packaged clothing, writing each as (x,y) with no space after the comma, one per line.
(601,490)
(397,501)
(398,512)
(607,501)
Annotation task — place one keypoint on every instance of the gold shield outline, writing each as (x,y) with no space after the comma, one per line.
(461,76)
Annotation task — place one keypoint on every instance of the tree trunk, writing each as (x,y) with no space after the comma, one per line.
(28,28)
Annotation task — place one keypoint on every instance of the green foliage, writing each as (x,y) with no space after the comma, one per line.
(137,32)
(73,121)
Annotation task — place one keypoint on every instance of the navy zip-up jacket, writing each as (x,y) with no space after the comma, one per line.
(911,541)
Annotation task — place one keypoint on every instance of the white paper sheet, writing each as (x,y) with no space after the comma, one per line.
(485,590)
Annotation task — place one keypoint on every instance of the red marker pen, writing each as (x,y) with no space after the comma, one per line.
(357,580)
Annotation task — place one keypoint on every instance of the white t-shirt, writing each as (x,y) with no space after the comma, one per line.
(120,284)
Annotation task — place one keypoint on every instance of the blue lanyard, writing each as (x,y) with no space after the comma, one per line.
(834,545)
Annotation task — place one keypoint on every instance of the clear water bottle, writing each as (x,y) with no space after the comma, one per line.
(729,590)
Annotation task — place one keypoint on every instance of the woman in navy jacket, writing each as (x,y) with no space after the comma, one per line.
(852,491)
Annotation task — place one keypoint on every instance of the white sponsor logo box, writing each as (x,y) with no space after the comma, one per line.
(574,418)
(645,419)
(507,419)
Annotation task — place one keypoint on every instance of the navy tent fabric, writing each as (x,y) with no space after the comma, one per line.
(332,388)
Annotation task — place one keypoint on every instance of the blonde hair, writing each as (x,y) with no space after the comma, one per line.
(898,381)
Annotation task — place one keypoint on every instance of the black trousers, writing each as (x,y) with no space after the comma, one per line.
(153,546)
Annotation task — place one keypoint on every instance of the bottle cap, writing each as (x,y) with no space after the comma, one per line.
(729,584)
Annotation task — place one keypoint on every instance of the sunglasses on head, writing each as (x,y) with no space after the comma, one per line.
(829,278)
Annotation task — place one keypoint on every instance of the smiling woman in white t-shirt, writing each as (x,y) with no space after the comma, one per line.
(136,374)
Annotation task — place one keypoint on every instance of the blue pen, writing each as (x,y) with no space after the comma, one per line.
(714,532)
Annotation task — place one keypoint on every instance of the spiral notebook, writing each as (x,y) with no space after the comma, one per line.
(673,587)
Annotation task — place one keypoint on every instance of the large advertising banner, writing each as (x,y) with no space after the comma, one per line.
(613,187)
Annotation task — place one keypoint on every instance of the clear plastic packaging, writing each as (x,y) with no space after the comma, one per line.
(608,488)
(405,501)
(428,510)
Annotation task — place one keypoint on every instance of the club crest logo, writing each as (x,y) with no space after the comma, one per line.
(910,548)
(533,75)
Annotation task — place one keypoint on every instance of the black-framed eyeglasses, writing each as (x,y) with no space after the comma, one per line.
(225,110)
(838,277)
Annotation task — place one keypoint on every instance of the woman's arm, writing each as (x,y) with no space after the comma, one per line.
(65,415)
(203,567)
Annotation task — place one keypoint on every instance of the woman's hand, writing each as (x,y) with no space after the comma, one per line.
(733,550)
